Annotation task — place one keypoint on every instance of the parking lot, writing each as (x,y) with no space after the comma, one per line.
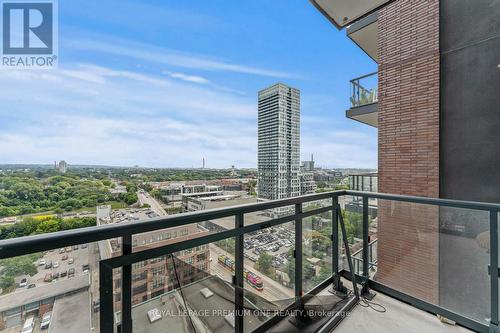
(276,241)
(56,265)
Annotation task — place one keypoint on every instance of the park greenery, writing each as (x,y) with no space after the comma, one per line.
(44,224)
(42,191)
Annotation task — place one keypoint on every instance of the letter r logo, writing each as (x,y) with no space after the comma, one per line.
(27,27)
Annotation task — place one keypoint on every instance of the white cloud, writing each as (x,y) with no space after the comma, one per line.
(97,115)
(151,53)
(188,78)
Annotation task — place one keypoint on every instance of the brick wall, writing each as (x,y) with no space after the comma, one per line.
(409,145)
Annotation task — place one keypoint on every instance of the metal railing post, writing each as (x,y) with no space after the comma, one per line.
(335,244)
(238,278)
(494,270)
(126,321)
(365,245)
(298,254)
(106,317)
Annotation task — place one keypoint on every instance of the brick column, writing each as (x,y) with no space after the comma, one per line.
(408,250)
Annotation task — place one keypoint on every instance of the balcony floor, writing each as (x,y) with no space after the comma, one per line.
(399,317)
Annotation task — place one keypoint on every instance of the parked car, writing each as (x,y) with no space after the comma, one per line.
(64,257)
(75,247)
(55,275)
(71,260)
(46,320)
(64,273)
(61,250)
(85,268)
(84,246)
(71,272)
(41,262)
(31,285)
(29,324)
(23,283)
(48,277)
(48,264)
(56,264)
(68,249)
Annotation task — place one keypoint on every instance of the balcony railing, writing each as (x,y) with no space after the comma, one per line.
(364,90)
(435,254)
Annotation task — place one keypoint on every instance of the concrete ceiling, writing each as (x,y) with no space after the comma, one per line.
(367,39)
(344,12)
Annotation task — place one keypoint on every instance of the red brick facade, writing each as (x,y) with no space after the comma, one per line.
(409,64)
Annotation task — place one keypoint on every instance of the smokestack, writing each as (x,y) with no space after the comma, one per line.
(203,162)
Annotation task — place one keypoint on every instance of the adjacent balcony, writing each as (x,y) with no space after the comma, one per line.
(314,267)
(364,99)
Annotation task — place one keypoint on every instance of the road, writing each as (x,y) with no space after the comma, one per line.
(273,290)
(146,198)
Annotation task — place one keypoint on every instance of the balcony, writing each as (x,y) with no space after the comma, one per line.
(419,257)
(364,99)
(345,12)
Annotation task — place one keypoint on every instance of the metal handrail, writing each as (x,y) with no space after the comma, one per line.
(43,242)
(37,243)
(29,244)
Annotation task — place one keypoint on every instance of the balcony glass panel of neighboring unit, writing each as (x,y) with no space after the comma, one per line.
(344,12)
(364,99)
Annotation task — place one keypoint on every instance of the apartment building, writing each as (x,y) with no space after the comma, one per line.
(156,276)
(307,183)
(278,142)
(434,101)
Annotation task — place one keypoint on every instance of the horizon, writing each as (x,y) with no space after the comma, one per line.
(81,166)
(140,95)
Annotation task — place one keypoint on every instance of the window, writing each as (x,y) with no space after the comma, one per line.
(158,282)
(139,276)
(138,265)
(160,270)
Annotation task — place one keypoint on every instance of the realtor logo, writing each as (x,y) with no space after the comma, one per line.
(29,34)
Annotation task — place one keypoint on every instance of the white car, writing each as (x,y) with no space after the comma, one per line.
(41,262)
(56,264)
(28,326)
(46,320)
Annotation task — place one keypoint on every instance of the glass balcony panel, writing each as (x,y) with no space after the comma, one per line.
(270,269)
(437,254)
(46,284)
(364,90)
(189,291)
(316,246)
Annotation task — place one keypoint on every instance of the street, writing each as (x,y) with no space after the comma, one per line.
(273,291)
(146,198)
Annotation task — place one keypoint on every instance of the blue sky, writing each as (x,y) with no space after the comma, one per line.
(165,83)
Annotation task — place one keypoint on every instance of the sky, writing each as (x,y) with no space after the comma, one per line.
(166,83)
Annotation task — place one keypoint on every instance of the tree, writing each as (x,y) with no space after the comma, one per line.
(47,226)
(265,263)
(6,282)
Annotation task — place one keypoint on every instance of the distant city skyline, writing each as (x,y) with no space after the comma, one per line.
(123,97)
